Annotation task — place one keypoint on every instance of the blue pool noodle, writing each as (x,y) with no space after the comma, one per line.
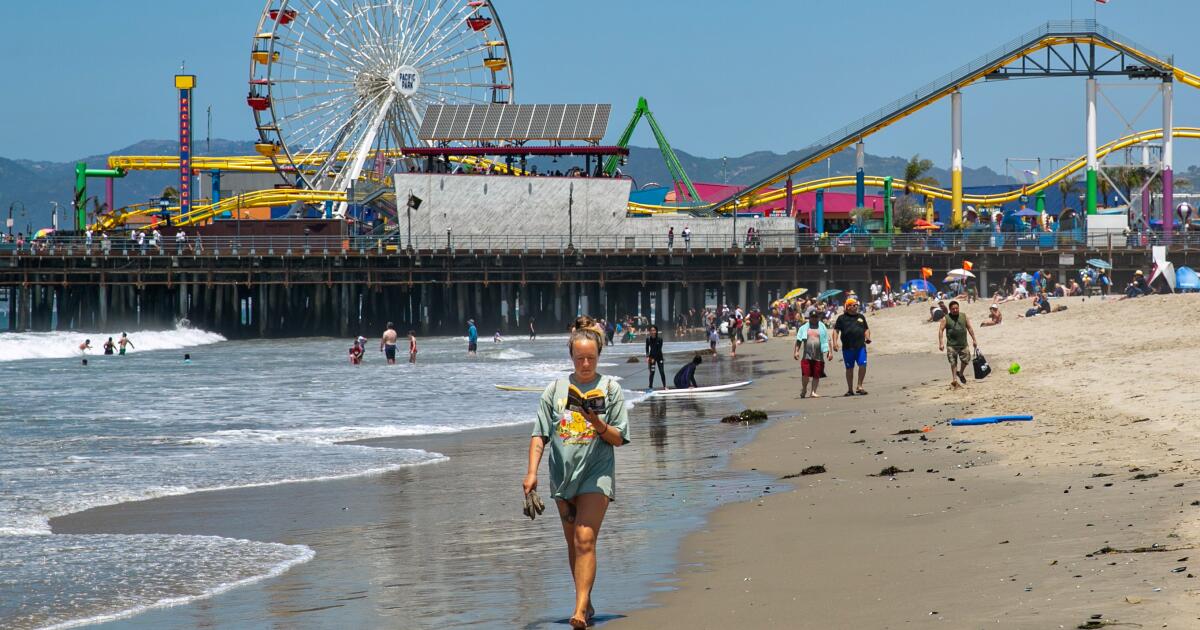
(966,422)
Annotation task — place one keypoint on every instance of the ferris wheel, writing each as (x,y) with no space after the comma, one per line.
(335,83)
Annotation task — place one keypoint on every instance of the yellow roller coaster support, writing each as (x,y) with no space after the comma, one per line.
(204,213)
(934,192)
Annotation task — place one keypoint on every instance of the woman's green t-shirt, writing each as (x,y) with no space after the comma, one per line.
(581,461)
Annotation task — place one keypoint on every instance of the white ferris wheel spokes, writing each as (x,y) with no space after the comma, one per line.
(334,83)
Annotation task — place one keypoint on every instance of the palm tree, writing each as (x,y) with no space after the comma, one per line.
(1066,187)
(1134,178)
(170,194)
(915,173)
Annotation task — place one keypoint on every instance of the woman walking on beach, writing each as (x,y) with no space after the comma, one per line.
(582,466)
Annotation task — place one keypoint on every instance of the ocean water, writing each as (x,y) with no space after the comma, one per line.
(240,414)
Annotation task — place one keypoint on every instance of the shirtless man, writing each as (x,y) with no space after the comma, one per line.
(412,346)
(122,342)
(994,318)
(387,344)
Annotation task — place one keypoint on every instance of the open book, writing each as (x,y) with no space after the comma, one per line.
(578,401)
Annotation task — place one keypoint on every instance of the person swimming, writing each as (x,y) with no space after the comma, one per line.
(187,358)
(109,346)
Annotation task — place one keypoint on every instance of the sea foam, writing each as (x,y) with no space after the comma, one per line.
(61,345)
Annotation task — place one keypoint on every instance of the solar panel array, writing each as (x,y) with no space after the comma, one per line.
(503,121)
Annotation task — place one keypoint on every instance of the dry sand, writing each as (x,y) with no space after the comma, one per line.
(997,526)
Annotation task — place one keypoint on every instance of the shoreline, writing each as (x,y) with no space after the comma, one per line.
(997,524)
(309,514)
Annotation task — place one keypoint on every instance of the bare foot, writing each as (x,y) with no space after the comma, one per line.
(578,622)
(814,395)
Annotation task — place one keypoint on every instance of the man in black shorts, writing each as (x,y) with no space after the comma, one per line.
(388,343)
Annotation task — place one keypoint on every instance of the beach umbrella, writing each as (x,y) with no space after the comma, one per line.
(43,233)
(1023,277)
(828,293)
(922,224)
(795,293)
(958,274)
(1099,264)
(920,285)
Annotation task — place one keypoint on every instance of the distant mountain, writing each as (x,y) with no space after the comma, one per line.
(37,184)
(646,165)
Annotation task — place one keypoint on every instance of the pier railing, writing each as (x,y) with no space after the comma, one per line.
(659,244)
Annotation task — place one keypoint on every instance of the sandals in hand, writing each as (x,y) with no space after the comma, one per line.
(533,505)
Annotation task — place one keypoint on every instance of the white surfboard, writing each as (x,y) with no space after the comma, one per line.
(701,390)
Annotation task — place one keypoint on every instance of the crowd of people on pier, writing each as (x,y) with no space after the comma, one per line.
(143,241)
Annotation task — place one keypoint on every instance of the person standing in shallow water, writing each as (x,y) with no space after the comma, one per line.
(387,343)
(122,342)
(654,357)
(582,460)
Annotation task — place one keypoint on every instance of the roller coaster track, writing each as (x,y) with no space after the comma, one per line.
(1082,36)
(848,181)
(258,163)
(241,164)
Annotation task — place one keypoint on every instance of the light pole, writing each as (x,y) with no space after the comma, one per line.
(414,203)
(54,221)
(725,169)
(571,216)
(10,217)
(735,203)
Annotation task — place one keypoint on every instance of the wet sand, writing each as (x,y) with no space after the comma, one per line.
(996,526)
(445,545)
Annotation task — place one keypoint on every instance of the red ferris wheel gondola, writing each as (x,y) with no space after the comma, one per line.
(284,17)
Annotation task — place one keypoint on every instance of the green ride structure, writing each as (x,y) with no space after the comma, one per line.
(681,183)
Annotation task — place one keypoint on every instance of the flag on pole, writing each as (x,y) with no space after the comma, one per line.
(926,272)
(1101,1)
(968,265)
(887,284)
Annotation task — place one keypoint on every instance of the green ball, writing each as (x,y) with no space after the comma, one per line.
(1013,368)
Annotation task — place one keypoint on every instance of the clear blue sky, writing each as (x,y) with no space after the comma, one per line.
(723,78)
